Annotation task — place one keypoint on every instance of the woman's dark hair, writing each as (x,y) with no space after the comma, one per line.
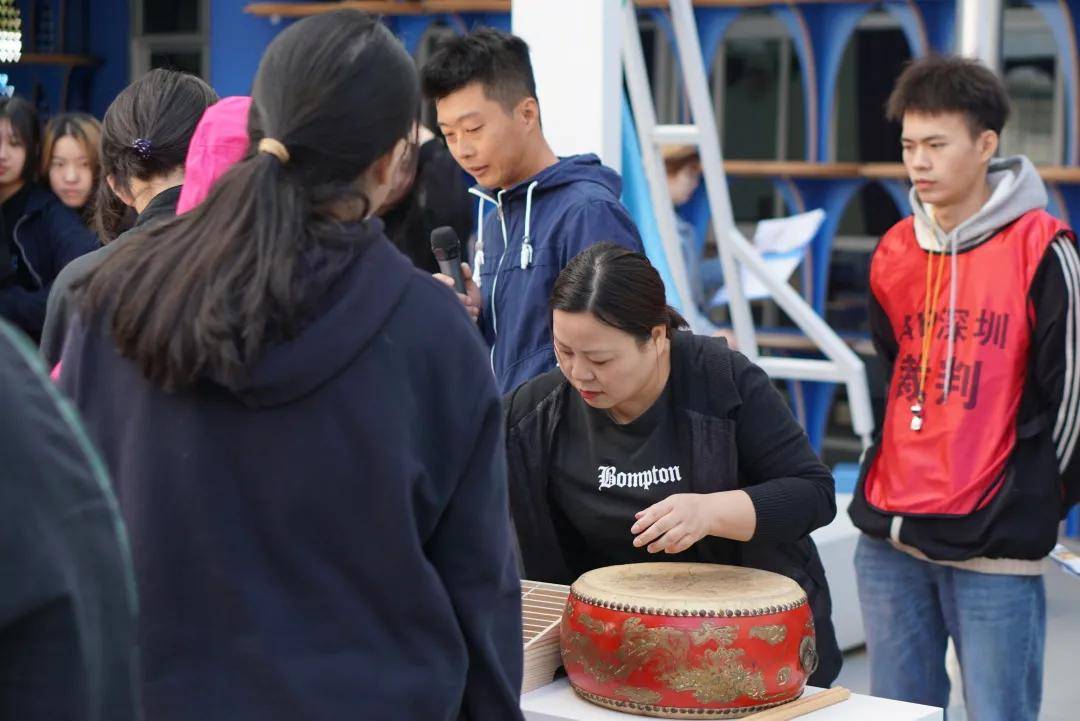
(618,286)
(204,294)
(145,134)
(25,127)
(938,84)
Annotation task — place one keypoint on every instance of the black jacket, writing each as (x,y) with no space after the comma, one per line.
(63,302)
(67,589)
(47,237)
(735,431)
(328,539)
(438,197)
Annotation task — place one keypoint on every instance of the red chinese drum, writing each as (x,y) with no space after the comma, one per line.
(691,640)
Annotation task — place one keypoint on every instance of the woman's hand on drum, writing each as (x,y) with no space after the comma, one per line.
(679,521)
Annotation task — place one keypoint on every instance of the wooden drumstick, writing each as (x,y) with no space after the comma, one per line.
(803,706)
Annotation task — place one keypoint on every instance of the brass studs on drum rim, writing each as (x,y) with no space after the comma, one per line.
(683,612)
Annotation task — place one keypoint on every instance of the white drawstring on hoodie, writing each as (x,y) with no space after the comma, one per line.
(951,347)
(478,260)
(526,257)
(526,241)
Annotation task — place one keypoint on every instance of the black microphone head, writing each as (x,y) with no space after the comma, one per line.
(445,244)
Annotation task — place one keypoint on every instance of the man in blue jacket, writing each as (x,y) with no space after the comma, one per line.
(544,209)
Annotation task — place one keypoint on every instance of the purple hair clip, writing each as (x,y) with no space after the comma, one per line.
(143,147)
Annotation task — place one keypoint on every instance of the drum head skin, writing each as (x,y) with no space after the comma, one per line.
(689,589)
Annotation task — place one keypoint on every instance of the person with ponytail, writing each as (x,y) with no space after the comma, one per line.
(303,430)
(144,141)
(650,443)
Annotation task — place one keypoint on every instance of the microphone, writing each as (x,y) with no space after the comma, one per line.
(447,249)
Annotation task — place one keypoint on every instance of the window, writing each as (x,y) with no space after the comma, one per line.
(170,34)
(758,100)
(1029,67)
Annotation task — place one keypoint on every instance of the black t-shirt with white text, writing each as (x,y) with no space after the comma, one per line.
(604,472)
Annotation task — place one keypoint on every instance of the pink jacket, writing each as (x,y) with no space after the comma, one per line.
(220,140)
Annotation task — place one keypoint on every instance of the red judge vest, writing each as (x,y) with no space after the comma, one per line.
(956,464)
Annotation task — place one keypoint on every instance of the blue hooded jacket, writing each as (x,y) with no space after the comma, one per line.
(328,538)
(543,222)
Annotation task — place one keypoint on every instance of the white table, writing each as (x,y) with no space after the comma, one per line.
(836,545)
(558,702)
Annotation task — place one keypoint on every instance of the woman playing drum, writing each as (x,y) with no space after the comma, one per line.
(651,443)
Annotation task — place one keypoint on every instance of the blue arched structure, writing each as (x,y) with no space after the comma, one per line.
(1061,16)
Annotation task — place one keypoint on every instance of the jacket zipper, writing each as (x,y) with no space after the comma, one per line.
(495,279)
(22,252)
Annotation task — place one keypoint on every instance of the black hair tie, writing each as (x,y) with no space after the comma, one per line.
(143,148)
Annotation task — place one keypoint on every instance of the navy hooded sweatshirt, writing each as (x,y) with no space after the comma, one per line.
(542,223)
(329,539)
(47,236)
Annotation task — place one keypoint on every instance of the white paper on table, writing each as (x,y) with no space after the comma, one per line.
(781,266)
(783,235)
(782,243)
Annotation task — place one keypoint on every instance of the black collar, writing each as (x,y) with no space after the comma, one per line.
(161,207)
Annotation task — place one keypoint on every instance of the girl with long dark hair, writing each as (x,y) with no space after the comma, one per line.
(303,430)
(38,234)
(650,443)
(144,142)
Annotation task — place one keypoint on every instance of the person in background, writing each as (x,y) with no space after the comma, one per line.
(430,193)
(144,142)
(974,308)
(69,159)
(683,168)
(545,209)
(649,443)
(39,235)
(304,437)
(67,588)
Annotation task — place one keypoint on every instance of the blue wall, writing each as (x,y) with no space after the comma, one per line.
(110,40)
(105,34)
(237,41)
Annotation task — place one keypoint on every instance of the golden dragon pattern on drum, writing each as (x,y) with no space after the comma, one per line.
(772,635)
(721,677)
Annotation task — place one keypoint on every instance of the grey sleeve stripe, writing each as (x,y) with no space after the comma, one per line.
(1067,427)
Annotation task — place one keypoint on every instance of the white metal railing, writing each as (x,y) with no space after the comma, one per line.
(842,364)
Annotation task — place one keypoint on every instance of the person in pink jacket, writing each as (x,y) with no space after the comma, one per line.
(220,140)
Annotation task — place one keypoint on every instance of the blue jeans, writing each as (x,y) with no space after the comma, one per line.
(910,608)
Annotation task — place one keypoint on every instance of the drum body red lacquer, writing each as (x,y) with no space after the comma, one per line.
(687,640)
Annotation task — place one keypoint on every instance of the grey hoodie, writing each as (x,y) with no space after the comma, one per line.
(1016,189)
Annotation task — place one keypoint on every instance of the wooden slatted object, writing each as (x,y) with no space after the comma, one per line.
(542,606)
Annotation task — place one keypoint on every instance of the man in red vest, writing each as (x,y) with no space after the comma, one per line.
(974,312)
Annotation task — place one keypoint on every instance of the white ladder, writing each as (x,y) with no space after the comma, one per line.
(842,365)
